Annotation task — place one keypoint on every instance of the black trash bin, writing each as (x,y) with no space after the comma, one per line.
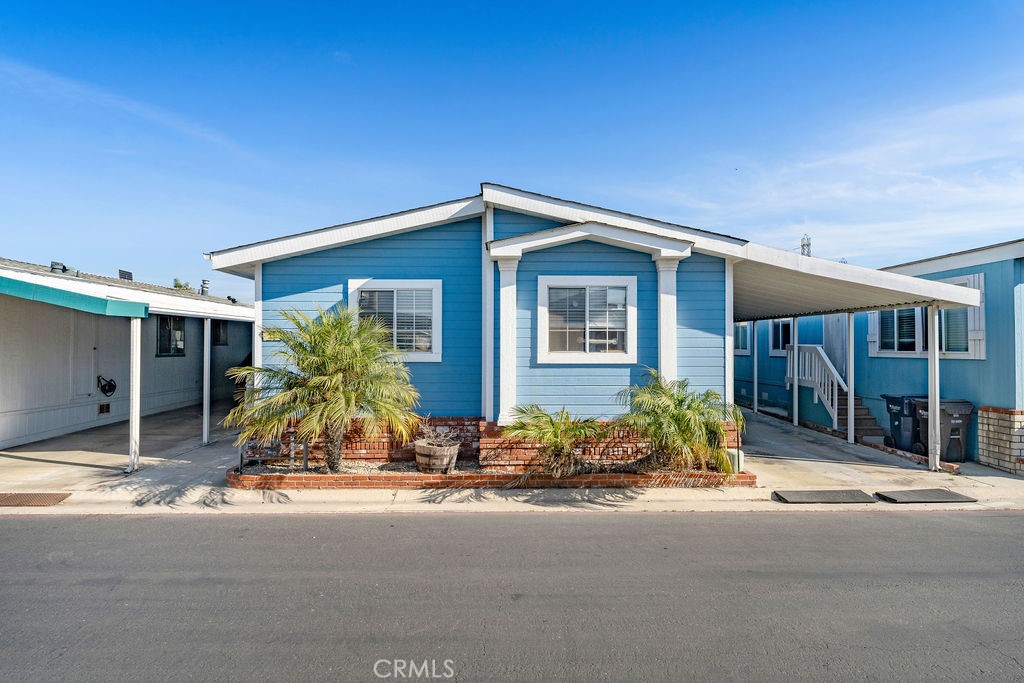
(903,426)
(955,416)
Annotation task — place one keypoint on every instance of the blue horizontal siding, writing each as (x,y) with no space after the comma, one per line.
(587,390)
(512,224)
(449,252)
(700,320)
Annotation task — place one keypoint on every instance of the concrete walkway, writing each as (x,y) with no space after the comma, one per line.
(179,475)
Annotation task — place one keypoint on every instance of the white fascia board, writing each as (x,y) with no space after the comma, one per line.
(560,209)
(655,245)
(963,259)
(159,304)
(940,293)
(240,260)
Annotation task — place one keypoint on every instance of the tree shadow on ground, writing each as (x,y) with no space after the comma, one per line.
(577,498)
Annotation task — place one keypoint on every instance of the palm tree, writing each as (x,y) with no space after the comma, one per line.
(686,428)
(332,369)
(559,436)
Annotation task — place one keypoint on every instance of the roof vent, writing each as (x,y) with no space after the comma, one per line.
(58,267)
(204,288)
(124,275)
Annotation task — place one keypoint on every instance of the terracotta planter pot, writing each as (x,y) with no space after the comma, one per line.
(435,459)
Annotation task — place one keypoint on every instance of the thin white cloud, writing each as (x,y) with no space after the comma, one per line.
(45,84)
(907,186)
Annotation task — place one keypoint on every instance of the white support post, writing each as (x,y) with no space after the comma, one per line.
(134,394)
(257,327)
(850,408)
(667,360)
(794,335)
(206,380)
(507,268)
(934,407)
(753,342)
(487,362)
(730,351)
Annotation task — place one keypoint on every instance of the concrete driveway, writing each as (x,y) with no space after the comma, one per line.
(787,457)
(94,459)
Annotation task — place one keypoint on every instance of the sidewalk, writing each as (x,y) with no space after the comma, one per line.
(189,479)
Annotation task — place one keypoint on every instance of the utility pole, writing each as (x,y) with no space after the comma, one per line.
(805,245)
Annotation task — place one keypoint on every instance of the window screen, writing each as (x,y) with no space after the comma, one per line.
(408,313)
(587,319)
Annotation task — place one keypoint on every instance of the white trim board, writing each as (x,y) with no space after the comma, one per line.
(962,259)
(655,245)
(434,355)
(240,260)
(544,356)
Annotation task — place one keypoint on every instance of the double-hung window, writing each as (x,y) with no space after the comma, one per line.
(903,332)
(411,309)
(586,319)
(741,339)
(782,335)
(170,335)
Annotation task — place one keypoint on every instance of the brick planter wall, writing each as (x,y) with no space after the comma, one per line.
(414,480)
(517,455)
(1001,438)
(384,449)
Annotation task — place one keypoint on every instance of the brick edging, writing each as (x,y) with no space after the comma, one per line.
(483,479)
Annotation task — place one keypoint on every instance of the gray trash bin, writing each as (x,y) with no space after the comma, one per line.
(903,427)
(955,417)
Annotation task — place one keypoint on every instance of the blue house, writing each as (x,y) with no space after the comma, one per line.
(511,297)
(981,350)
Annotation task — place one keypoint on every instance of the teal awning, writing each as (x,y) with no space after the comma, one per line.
(97,305)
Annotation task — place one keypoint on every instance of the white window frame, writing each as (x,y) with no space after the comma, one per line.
(433,356)
(739,351)
(772,351)
(545,356)
(975,328)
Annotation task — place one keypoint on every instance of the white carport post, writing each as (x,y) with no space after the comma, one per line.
(134,394)
(753,342)
(850,412)
(934,407)
(794,336)
(206,380)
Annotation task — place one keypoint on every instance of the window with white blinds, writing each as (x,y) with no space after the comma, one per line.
(411,309)
(904,331)
(586,320)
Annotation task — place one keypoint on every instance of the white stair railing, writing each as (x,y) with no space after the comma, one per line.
(816,371)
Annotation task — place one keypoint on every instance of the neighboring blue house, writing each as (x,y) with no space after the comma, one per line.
(981,347)
(512,297)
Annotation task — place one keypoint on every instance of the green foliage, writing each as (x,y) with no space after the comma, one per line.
(686,428)
(332,369)
(559,436)
(186,286)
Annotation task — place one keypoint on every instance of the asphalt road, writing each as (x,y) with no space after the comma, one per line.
(526,597)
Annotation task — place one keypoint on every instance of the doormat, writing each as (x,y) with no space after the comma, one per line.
(925,496)
(13,500)
(826,496)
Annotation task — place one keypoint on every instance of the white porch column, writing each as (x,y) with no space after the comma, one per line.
(667,332)
(795,343)
(753,343)
(134,394)
(487,362)
(850,411)
(934,407)
(257,327)
(206,380)
(730,350)
(507,267)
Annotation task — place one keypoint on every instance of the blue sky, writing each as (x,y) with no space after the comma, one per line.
(139,135)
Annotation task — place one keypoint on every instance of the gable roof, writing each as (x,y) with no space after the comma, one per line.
(768,283)
(78,284)
(967,258)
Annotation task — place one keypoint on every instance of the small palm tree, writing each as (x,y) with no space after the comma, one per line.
(686,428)
(559,436)
(333,368)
